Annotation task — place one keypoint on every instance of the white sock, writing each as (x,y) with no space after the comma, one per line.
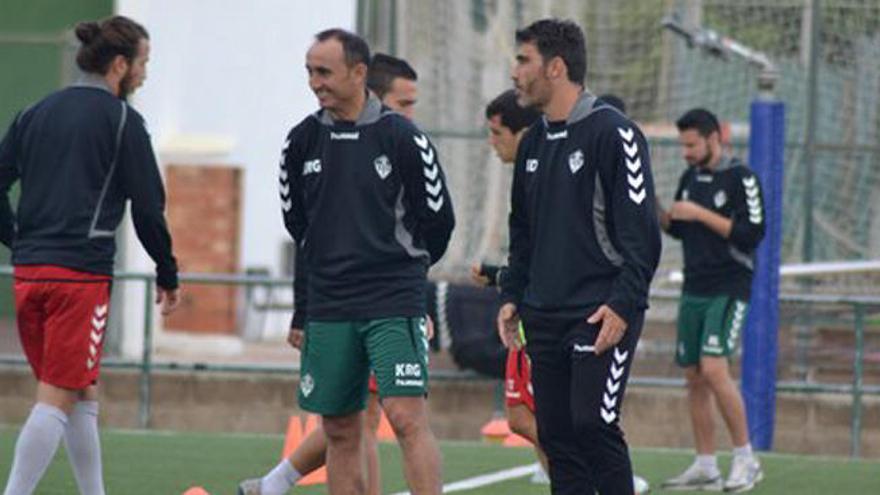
(280,480)
(744,451)
(84,447)
(709,464)
(35,448)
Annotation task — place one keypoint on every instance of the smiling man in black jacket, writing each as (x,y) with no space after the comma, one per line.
(365,199)
(79,154)
(584,244)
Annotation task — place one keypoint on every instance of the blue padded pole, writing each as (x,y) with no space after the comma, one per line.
(760,343)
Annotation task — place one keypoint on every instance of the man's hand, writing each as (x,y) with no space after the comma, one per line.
(429,327)
(612,330)
(168,298)
(686,211)
(478,277)
(663,216)
(295,338)
(508,326)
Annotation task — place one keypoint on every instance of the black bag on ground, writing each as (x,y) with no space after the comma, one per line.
(471,313)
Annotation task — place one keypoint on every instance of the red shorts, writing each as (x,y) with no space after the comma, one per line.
(518,380)
(62,314)
(373,384)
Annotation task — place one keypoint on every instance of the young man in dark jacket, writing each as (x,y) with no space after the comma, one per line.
(584,245)
(718,215)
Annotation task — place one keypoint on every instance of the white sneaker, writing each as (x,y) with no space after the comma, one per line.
(745,473)
(640,485)
(250,487)
(694,478)
(540,477)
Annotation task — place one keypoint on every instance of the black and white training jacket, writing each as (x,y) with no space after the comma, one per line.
(80,154)
(714,265)
(367,204)
(583,227)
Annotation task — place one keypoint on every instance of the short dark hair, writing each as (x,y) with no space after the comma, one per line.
(103,40)
(384,69)
(699,119)
(615,101)
(356,50)
(558,38)
(513,116)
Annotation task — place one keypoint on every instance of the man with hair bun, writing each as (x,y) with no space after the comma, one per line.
(79,154)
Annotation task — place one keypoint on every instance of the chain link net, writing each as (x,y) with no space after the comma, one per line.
(463,52)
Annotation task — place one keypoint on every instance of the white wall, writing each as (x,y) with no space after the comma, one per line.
(231,71)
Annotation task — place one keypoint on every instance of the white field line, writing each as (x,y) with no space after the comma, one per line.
(487,479)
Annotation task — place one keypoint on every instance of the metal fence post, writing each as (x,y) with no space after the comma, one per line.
(147,357)
(856,434)
(498,399)
(809,157)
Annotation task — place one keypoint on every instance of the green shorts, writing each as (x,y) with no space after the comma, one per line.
(708,326)
(338,356)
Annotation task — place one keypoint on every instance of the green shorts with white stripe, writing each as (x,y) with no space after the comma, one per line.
(708,326)
(338,356)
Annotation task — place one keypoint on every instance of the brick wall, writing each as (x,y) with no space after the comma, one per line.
(204,211)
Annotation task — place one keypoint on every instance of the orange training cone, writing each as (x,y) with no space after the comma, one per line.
(514,440)
(196,490)
(318,476)
(385,433)
(496,430)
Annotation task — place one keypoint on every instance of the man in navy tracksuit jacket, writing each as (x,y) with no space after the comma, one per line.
(364,196)
(79,154)
(584,245)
